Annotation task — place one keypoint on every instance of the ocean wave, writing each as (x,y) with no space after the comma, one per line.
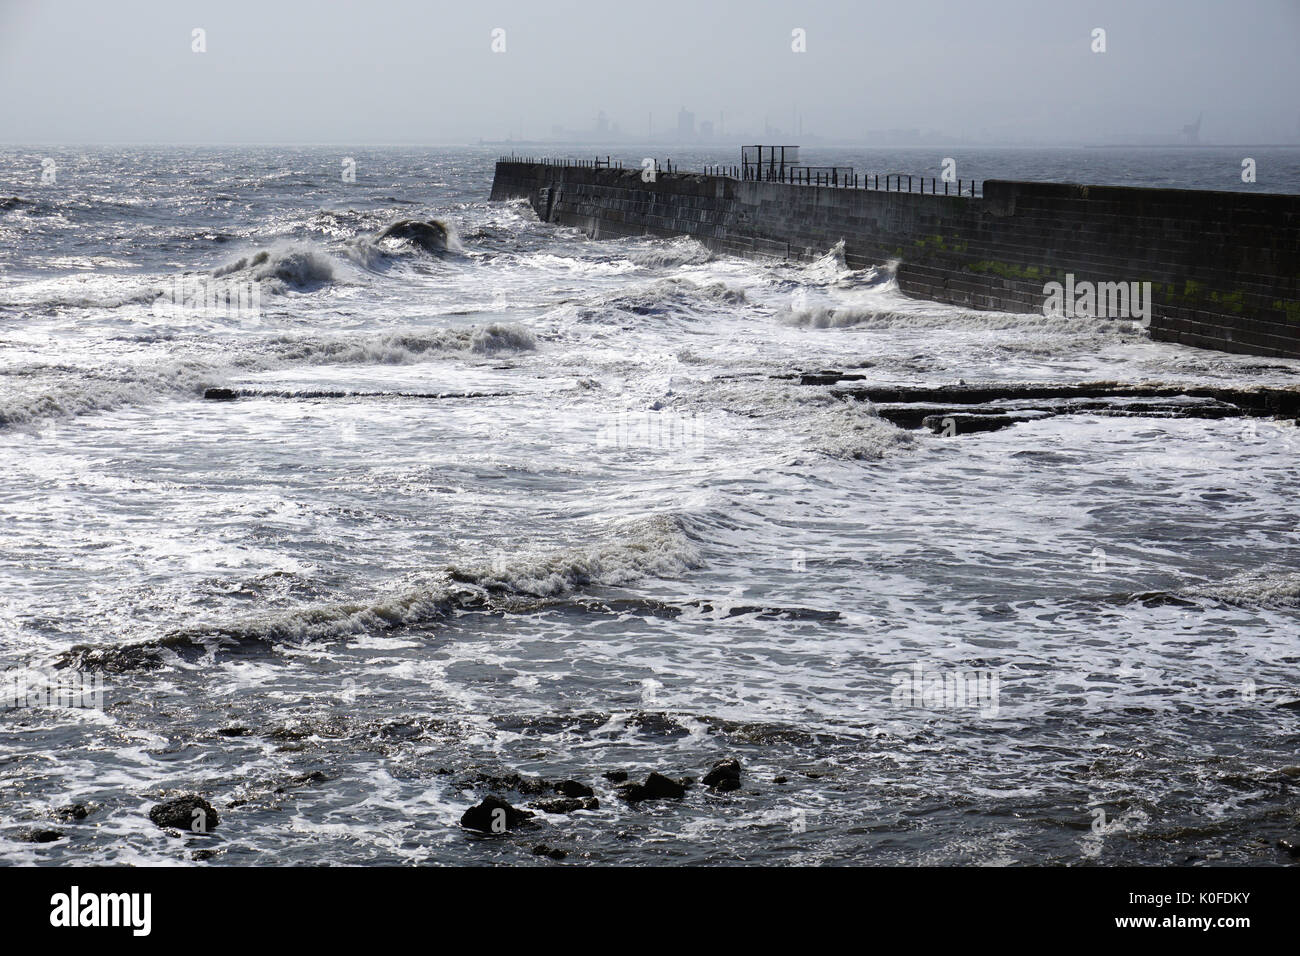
(669,296)
(344,223)
(502,337)
(403,239)
(67,300)
(397,348)
(946,317)
(35,393)
(818,421)
(658,545)
(14,202)
(851,431)
(839,317)
(830,266)
(672,252)
(432,236)
(283,267)
(1254,588)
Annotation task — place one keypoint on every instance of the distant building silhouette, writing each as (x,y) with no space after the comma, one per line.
(685,124)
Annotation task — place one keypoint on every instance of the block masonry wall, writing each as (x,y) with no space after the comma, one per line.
(1224,266)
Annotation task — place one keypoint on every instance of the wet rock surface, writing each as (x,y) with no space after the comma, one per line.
(962,408)
(656,787)
(494,815)
(188,812)
(1262,400)
(566,805)
(73,812)
(724,777)
(572,788)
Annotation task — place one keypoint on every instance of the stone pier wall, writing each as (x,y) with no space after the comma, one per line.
(1224,267)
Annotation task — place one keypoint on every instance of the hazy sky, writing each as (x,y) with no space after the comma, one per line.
(423,71)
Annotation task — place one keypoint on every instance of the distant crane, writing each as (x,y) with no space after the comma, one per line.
(1192,131)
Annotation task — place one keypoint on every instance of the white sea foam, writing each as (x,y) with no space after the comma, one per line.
(658,545)
(1263,587)
(33,394)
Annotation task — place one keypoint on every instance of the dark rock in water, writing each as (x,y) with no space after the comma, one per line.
(234,732)
(828,377)
(73,812)
(1292,847)
(220,394)
(40,836)
(494,815)
(202,855)
(543,850)
(303,780)
(780,779)
(566,805)
(571,788)
(965,423)
(656,787)
(510,781)
(430,236)
(188,812)
(724,776)
(618,776)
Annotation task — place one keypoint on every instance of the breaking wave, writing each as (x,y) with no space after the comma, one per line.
(673,252)
(283,267)
(851,431)
(31,394)
(658,545)
(63,300)
(1262,588)
(668,297)
(46,393)
(941,317)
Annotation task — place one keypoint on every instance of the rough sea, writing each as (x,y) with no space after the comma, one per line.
(538,508)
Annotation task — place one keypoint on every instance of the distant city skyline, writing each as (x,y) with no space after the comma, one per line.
(688,128)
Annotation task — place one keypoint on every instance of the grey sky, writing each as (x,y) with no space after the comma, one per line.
(391,71)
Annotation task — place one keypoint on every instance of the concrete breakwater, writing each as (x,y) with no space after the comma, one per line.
(1223,267)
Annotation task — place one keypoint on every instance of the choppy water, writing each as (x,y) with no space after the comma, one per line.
(575,520)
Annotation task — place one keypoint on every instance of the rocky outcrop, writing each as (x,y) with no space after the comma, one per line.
(724,776)
(494,816)
(656,787)
(566,805)
(187,812)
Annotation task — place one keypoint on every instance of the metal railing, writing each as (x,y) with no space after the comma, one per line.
(836,177)
(844,177)
(596,163)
